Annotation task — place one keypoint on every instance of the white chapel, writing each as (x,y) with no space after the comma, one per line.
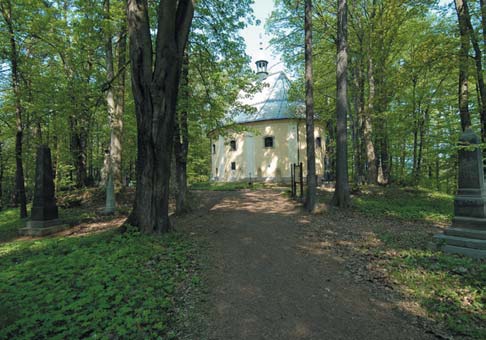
(271,138)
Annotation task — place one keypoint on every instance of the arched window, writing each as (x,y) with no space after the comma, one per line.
(233,145)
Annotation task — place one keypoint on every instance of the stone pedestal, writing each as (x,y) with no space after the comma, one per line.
(44,214)
(467,235)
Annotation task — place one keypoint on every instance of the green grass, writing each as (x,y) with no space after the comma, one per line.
(406,204)
(101,286)
(231,186)
(450,288)
(9,224)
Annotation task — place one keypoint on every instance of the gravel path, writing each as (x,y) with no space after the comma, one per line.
(266,280)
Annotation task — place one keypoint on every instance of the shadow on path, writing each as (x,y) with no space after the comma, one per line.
(266,281)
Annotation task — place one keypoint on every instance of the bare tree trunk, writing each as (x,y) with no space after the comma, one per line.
(110,91)
(2,167)
(483,19)
(117,122)
(358,138)
(437,173)
(372,177)
(20,197)
(418,170)
(463,65)
(385,164)
(155,85)
(115,97)
(181,142)
(309,112)
(78,150)
(479,71)
(356,143)
(341,196)
(415,128)
(402,162)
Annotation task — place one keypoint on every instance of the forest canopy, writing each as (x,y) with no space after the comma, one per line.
(415,75)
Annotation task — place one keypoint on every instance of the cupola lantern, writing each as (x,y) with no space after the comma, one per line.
(261,63)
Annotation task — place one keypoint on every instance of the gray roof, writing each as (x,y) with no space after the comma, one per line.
(271,103)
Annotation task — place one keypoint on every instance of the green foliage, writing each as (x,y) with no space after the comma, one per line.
(102,286)
(450,288)
(9,224)
(406,204)
(218,70)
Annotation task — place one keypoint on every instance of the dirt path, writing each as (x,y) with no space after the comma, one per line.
(268,281)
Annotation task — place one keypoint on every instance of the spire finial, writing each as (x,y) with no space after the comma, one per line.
(261,62)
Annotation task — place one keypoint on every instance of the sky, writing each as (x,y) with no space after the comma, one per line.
(261,10)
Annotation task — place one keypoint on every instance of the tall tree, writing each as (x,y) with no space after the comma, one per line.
(341,196)
(181,140)
(155,85)
(20,197)
(461,8)
(478,58)
(482,4)
(2,168)
(115,92)
(309,111)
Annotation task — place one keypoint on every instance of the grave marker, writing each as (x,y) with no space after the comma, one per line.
(467,235)
(44,215)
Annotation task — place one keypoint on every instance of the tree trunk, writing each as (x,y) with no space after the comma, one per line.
(437,173)
(402,161)
(117,122)
(155,85)
(20,197)
(330,158)
(181,142)
(110,91)
(309,112)
(358,135)
(341,196)
(372,177)
(463,92)
(1,175)
(385,164)
(479,72)
(483,19)
(356,143)
(415,129)
(115,97)
(418,170)
(78,151)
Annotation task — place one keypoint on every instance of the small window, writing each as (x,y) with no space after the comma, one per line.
(268,142)
(216,172)
(233,145)
(214,149)
(233,165)
(319,142)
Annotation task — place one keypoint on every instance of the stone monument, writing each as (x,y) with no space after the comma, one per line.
(44,215)
(467,235)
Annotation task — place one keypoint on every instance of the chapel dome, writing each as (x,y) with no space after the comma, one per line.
(270,103)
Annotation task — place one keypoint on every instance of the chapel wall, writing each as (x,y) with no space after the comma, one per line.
(252,159)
